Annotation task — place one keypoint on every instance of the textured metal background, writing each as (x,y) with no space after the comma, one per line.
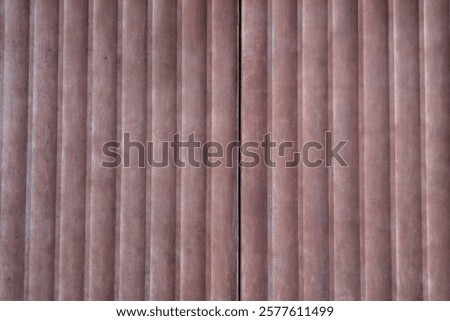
(378,74)
(75,74)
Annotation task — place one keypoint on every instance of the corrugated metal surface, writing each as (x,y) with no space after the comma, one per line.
(75,74)
(376,73)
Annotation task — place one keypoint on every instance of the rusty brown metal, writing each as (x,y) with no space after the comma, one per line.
(75,74)
(367,70)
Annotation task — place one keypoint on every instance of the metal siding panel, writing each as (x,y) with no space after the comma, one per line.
(376,74)
(193,120)
(436,57)
(283,85)
(164,124)
(405,112)
(14,148)
(132,190)
(254,200)
(39,269)
(344,201)
(223,128)
(101,182)
(71,193)
(376,161)
(314,58)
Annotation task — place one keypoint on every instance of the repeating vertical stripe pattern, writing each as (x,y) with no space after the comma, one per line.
(75,74)
(375,73)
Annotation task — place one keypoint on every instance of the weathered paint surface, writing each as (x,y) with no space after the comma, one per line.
(75,74)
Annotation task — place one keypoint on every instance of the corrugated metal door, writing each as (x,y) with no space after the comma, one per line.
(375,73)
(77,74)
